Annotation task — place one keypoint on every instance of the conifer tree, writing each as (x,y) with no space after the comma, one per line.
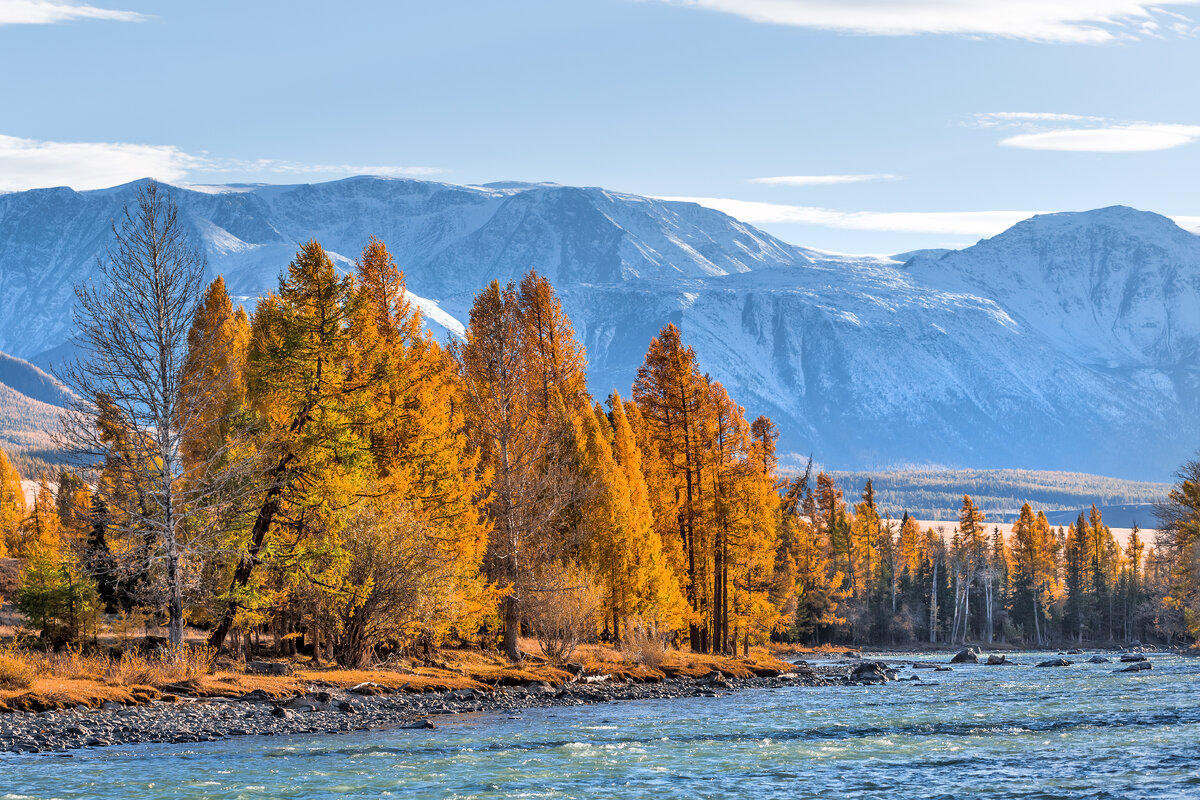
(12,506)
(524,432)
(674,402)
(307,405)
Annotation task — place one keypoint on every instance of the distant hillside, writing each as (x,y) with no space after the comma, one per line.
(30,402)
(937,494)
(31,381)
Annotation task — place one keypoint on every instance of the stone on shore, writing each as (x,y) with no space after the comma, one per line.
(268,668)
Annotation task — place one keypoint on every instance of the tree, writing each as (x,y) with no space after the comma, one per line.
(523,430)
(132,342)
(12,506)
(427,480)
(1033,573)
(303,432)
(1179,544)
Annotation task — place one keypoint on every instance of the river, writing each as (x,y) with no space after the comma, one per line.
(984,732)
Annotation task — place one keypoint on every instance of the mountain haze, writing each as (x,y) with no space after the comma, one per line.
(1068,342)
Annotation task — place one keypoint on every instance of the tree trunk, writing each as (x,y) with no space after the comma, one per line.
(512,628)
(241,576)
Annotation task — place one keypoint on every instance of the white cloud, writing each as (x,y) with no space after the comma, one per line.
(1073,21)
(30,164)
(822,180)
(1076,133)
(969,223)
(961,223)
(261,165)
(1134,138)
(995,118)
(1188,223)
(47,12)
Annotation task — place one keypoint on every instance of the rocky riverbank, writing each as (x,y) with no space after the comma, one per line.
(365,707)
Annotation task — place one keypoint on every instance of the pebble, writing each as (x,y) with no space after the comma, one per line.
(334,711)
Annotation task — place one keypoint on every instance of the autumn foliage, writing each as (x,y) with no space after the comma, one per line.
(371,490)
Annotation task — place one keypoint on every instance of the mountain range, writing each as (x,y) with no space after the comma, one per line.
(1070,341)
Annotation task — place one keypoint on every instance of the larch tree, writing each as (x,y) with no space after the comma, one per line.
(674,404)
(305,432)
(416,551)
(12,505)
(523,430)
(1179,543)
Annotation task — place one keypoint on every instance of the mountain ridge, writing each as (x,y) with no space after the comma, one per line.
(1028,349)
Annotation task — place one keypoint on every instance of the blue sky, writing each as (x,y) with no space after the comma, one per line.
(880,125)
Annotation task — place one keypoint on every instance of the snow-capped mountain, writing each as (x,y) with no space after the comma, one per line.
(1068,342)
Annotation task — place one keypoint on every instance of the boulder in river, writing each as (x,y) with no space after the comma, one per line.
(1056,662)
(965,656)
(1097,660)
(421,724)
(1130,657)
(1137,666)
(997,660)
(872,671)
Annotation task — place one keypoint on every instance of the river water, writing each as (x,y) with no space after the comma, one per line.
(982,732)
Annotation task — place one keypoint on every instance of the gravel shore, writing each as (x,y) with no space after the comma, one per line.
(339,710)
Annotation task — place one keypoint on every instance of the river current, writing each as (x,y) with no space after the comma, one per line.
(982,732)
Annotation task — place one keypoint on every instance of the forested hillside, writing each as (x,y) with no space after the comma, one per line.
(934,494)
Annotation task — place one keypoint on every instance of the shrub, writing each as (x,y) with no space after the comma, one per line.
(17,670)
(643,644)
(562,603)
(58,598)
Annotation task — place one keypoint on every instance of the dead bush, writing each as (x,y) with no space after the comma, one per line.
(562,603)
(643,644)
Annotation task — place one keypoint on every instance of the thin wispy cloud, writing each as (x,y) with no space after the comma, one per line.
(966,223)
(31,164)
(1084,134)
(297,168)
(822,180)
(1065,21)
(47,12)
(959,223)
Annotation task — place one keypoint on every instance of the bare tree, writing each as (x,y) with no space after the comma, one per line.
(128,412)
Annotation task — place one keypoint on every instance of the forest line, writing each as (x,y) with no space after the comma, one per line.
(324,470)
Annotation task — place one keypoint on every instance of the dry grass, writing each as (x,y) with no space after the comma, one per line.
(17,669)
(36,682)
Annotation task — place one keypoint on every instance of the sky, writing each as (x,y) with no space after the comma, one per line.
(863,126)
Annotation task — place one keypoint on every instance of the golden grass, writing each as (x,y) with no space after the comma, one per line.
(36,681)
(17,669)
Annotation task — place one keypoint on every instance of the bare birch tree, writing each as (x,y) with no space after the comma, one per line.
(129,414)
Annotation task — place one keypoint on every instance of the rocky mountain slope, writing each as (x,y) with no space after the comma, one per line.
(1068,342)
